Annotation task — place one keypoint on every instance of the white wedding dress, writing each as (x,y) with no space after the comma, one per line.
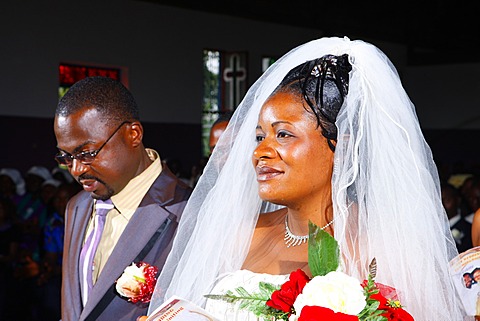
(243,278)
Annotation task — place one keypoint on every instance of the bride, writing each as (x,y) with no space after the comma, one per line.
(333,139)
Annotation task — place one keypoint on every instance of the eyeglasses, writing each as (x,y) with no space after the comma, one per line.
(85,157)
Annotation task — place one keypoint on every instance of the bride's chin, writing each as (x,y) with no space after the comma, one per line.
(271,199)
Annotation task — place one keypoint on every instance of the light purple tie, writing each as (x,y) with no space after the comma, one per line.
(90,247)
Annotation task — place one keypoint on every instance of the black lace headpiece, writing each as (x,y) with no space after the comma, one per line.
(324,84)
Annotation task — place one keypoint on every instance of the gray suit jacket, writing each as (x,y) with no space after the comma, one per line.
(160,209)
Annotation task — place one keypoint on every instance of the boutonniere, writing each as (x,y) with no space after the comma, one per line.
(137,282)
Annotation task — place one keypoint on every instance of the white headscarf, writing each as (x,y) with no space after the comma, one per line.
(40,171)
(381,159)
(16,178)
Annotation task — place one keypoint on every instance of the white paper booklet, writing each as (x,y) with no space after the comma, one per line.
(466,276)
(179,309)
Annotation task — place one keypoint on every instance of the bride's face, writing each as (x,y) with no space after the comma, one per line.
(292,159)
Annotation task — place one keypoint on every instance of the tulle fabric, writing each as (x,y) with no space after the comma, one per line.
(385,192)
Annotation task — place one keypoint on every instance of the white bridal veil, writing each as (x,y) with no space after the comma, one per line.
(385,191)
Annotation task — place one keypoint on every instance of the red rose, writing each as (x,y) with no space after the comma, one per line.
(284,298)
(397,314)
(392,313)
(380,298)
(316,313)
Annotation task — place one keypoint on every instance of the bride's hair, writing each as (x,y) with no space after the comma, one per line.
(323,84)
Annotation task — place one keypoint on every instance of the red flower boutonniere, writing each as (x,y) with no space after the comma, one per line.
(137,282)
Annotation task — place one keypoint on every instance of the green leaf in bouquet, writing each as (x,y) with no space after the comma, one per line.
(254,302)
(371,312)
(323,251)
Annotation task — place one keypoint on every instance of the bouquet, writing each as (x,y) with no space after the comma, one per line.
(328,295)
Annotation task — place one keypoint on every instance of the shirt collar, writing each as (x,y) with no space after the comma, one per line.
(128,199)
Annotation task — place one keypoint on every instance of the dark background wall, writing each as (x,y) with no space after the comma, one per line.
(30,141)
(161,47)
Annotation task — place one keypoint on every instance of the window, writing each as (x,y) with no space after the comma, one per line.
(267,62)
(224,83)
(71,73)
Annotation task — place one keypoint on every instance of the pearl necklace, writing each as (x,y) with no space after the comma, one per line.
(294,240)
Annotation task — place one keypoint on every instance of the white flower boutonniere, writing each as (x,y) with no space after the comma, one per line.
(137,282)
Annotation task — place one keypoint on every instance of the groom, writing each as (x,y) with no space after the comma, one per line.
(130,206)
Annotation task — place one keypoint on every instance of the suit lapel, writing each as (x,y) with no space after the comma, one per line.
(146,220)
(76,224)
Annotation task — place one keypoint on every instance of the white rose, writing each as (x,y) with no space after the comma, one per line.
(336,291)
(128,285)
